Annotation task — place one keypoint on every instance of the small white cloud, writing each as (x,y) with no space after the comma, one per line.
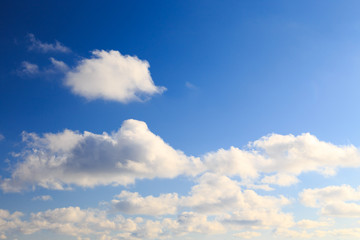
(42,198)
(1,137)
(111,76)
(28,68)
(59,65)
(46,47)
(189,85)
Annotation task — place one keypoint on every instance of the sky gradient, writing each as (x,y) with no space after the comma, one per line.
(179,120)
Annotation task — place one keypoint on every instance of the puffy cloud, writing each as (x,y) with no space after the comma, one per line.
(37,45)
(247,234)
(283,156)
(110,75)
(216,194)
(233,162)
(335,201)
(43,198)
(57,161)
(133,203)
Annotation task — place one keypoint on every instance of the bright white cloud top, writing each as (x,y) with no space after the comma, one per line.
(112,76)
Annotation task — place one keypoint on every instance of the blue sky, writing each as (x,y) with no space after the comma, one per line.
(179,120)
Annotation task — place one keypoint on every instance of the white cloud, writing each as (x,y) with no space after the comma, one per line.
(337,201)
(307,223)
(284,157)
(58,65)
(133,203)
(1,137)
(111,76)
(42,198)
(189,85)
(28,68)
(247,234)
(57,161)
(46,47)
(280,179)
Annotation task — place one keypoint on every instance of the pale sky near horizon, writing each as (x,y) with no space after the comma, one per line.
(193,120)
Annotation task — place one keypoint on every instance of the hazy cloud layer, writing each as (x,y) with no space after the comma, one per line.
(112,76)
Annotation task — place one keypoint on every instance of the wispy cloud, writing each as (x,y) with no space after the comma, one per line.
(28,68)
(37,45)
(189,85)
(42,198)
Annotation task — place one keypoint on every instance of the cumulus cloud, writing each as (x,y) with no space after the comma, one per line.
(57,161)
(112,76)
(213,196)
(133,203)
(37,45)
(90,223)
(280,179)
(284,157)
(337,201)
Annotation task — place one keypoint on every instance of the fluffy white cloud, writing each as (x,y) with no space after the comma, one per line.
(280,179)
(90,223)
(57,161)
(133,203)
(111,76)
(283,156)
(37,45)
(335,201)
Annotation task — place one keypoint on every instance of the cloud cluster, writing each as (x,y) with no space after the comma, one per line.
(110,75)
(221,199)
(89,223)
